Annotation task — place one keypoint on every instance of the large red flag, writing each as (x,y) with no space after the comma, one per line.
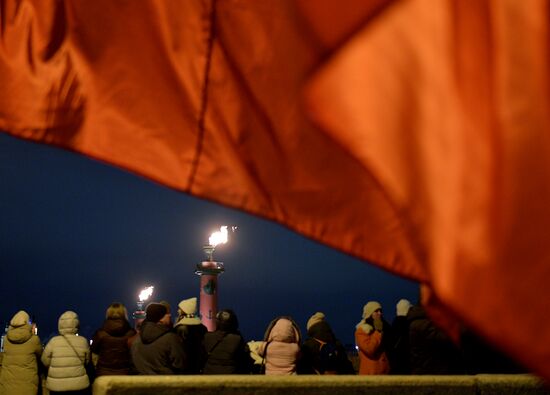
(410,133)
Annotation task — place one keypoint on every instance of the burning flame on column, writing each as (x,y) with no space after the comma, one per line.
(139,314)
(146,293)
(208,272)
(218,237)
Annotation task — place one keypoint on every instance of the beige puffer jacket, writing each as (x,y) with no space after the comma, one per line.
(19,373)
(67,364)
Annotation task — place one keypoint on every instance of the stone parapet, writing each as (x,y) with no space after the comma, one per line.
(320,385)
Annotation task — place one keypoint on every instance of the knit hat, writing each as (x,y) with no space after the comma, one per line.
(188,306)
(226,320)
(155,311)
(402,307)
(314,319)
(370,308)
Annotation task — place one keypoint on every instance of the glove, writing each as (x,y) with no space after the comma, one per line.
(378,324)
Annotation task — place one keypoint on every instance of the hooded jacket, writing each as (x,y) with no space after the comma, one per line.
(66,356)
(431,350)
(281,348)
(22,349)
(310,363)
(111,344)
(158,350)
(226,353)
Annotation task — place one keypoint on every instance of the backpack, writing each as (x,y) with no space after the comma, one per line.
(329,356)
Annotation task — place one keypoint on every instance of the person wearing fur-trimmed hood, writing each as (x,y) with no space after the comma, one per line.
(281,347)
(22,350)
(372,336)
(191,330)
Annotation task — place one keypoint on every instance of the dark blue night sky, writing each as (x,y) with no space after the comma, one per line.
(78,234)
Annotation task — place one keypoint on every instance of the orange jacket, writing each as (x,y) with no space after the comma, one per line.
(373,359)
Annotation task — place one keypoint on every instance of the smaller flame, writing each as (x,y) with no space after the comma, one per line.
(219,237)
(145,293)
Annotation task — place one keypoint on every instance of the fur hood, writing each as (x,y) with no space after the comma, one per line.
(365,327)
(189,321)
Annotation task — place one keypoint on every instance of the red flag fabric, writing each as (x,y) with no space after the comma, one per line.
(409,133)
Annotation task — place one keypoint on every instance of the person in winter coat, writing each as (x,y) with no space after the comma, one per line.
(226,350)
(22,350)
(111,343)
(431,350)
(373,338)
(191,330)
(281,347)
(399,356)
(321,352)
(481,357)
(66,357)
(158,350)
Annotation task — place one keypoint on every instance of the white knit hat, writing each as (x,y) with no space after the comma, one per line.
(188,306)
(370,308)
(314,319)
(402,307)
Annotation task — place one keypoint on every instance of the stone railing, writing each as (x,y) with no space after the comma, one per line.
(321,385)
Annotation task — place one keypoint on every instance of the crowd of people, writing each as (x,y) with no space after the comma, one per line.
(411,344)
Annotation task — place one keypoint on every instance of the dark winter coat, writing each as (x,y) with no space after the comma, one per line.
(111,344)
(226,353)
(158,350)
(399,355)
(22,350)
(311,362)
(431,350)
(192,332)
(482,358)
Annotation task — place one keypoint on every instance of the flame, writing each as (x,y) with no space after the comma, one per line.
(219,237)
(145,293)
